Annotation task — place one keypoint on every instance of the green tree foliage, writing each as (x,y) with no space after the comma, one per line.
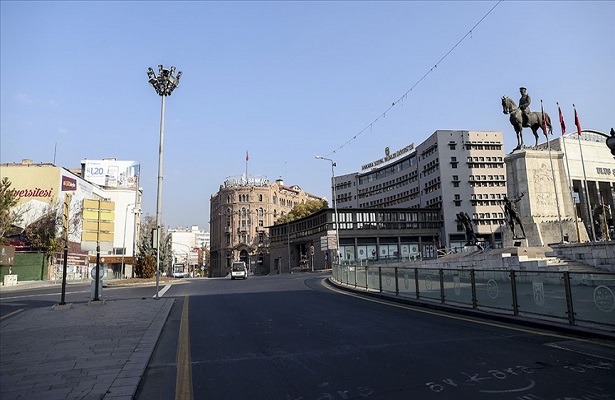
(8,216)
(302,210)
(42,234)
(146,254)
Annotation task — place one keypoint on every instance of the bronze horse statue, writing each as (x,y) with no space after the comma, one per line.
(516,119)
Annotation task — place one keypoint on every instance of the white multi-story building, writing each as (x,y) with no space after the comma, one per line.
(41,187)
(453,171)
(186,243)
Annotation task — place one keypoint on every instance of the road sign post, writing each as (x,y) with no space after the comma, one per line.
(98,226)
(65,218)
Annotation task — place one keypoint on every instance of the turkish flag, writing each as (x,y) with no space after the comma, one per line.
(561,120)
(576,121)
(544,121)
(247,156)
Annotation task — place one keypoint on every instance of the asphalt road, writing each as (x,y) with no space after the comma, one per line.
(81,292)
(291,337)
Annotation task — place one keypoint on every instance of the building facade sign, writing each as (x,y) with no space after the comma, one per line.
(605,171)
(388,156)
(68,184)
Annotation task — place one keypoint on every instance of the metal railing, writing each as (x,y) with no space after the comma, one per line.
(576,297)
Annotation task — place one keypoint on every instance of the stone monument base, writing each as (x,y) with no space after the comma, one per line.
(546,208)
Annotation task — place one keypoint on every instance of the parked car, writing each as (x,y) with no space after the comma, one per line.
(239,270)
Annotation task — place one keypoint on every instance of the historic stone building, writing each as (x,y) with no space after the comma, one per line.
(240,214)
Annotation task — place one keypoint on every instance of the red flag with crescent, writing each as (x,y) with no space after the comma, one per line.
(576,121)
(561,120)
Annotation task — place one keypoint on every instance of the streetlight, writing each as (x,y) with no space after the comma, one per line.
(164,84)
(337,222)
(124,241)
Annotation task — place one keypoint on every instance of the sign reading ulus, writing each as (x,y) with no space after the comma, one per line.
(98,226)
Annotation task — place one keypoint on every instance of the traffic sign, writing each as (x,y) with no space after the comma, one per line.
(97,236)
(101,272)
(98,226)
(105,226)
(93,215)
(98,205)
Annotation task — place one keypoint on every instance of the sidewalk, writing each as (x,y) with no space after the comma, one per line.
(85,352)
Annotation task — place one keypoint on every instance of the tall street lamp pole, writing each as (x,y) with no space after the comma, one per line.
(123,271)
(164,84)
(337,222)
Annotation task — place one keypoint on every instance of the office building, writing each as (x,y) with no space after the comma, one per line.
(452,171)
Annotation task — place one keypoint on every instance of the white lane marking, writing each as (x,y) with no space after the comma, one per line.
(162,291)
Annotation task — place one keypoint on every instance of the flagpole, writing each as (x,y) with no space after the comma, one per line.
(559,215)
(247,157)
(589,206)
(574,205)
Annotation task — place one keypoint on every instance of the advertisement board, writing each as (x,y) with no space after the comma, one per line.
(113,173)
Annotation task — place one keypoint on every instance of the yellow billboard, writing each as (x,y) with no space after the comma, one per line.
(33,182)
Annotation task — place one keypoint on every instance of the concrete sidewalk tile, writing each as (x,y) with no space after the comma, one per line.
(48,394)
(133,381)
(92,352)
(122,390)
(12,395)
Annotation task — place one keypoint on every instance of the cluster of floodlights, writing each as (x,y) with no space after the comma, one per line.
(165,82)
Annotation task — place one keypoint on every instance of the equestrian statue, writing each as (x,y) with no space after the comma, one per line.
(521,117)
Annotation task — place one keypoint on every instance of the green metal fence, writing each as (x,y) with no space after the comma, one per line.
(27,267)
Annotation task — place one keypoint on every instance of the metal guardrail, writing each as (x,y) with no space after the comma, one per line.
(576,297)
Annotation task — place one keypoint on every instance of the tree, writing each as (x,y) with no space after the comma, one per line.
(42,234)
(146,253)
(302,210)
(8,216)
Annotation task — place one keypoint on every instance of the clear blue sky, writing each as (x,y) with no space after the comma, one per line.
(286,81)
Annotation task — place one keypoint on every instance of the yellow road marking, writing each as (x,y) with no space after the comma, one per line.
(460,318)
(183,385)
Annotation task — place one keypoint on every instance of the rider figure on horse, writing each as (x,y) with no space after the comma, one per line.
(524,105)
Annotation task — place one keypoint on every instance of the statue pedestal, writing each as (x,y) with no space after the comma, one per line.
(529,171)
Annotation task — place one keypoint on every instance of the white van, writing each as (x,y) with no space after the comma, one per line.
(239,270)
